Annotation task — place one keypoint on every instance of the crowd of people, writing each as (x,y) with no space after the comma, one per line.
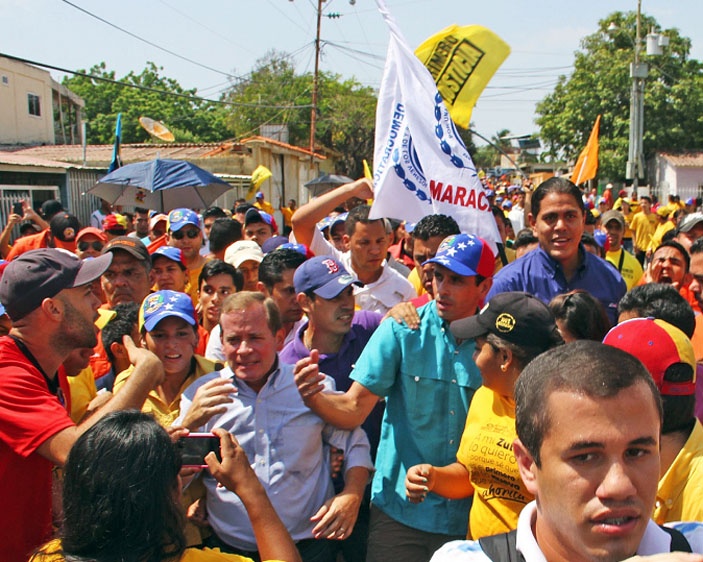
(374,389)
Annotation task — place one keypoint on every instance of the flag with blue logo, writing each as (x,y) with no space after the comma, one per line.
(421,165)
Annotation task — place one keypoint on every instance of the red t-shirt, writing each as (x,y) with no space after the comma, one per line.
(29,415)
(36,241)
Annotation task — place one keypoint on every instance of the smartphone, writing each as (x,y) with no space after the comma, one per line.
(194,447)
(17,208)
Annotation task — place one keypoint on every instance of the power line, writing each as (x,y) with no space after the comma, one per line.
(148,89)
(135,36)
(213,31)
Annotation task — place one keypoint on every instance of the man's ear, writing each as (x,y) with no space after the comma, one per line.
(531,220)
(526,465)
(262,288)
(52,309)
(303,301)
(118,350)
(484,287)
(280,337)
(346,239)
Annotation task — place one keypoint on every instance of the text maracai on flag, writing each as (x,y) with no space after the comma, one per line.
(421,165)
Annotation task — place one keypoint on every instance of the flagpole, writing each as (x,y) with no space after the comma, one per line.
(583,166)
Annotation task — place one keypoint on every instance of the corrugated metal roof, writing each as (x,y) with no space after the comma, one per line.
(102,153)
(690,159)
(14,159)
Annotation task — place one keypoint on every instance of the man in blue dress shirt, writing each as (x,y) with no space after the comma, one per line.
(560,264)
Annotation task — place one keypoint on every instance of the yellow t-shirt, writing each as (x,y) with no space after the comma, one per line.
(643,226)
(164,413)
(661,230)
(264,206)
(631,269)
(679,490)
(414,279)
(51,552)
(83,390)
(192,287)
(287,216)
(486,450)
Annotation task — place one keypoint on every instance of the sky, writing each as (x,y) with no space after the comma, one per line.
(225,38)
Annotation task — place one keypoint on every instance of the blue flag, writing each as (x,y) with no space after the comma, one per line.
(116,157)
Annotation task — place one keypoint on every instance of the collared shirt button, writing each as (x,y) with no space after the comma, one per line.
(669,502)
(453,381)
(451,441)
(261,431)
(417,379)
(451,412)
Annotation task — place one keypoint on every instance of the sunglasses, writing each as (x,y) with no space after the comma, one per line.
(179,234)
(97,246)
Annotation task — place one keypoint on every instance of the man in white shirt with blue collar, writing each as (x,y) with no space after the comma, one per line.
(255,398)
(588,419)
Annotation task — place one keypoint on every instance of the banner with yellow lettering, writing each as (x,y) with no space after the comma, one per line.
(462,60)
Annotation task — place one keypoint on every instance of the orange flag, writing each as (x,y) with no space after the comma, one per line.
(587,164)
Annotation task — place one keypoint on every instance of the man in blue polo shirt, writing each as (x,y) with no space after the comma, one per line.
(338,334)
(428,379)
(560,264)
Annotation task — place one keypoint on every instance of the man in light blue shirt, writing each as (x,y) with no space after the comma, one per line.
(428,379)
(255,399)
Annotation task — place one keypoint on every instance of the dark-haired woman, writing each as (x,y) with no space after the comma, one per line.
(121,498)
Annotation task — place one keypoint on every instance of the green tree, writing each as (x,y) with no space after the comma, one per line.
(190,120)
(345,109)
(600,84)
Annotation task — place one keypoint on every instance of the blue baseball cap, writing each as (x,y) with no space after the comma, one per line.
(300,248)
(466,255)
(164,304)
(171,253)
(324,276)
(178,218)
(272,243)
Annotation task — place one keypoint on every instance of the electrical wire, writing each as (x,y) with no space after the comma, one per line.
(151,43)
(147,88)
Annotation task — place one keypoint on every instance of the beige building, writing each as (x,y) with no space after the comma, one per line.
(34,108)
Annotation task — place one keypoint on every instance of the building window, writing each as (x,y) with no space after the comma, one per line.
(34,105)
(5,80)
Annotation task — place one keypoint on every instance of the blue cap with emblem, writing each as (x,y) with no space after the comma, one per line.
(324,276)
(164,304)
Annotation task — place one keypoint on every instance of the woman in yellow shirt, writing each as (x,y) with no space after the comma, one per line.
(510,331)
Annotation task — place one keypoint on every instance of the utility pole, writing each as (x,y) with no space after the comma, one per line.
(638,72)
(315,77)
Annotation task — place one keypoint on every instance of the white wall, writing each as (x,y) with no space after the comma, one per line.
(17,126)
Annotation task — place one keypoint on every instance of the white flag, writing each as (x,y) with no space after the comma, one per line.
(421,166)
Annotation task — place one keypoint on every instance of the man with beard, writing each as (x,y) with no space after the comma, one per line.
(47,295)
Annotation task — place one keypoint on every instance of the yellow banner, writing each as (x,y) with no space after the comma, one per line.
(462,60)
(587,164)
(258,176)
